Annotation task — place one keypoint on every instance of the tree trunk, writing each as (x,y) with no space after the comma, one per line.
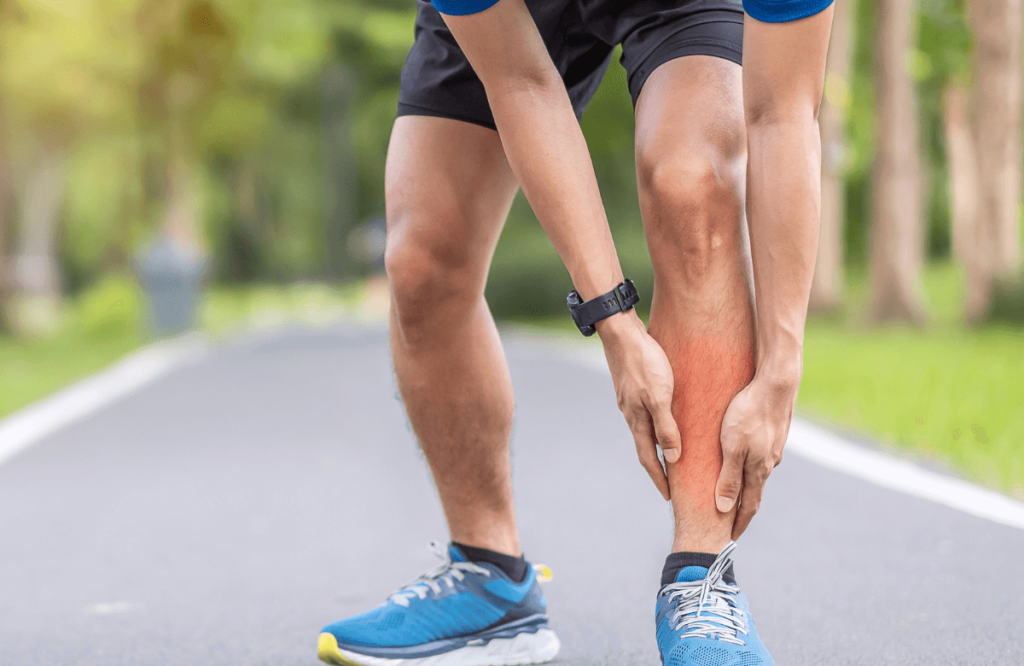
(37,295)
(6,201)
(963,194)
(827,285)
(896,230)
(997,108)
(181,207)
(339,168)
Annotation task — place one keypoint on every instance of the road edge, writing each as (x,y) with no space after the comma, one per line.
(29,425)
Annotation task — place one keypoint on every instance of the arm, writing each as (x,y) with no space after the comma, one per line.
(549,157)
(783,74)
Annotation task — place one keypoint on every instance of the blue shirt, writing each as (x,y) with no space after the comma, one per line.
(768,11)
(781,11)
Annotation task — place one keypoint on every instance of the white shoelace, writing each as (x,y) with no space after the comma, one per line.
(707,608)
(448,572)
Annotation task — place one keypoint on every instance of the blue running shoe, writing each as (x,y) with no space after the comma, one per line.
(704,621)
(460,614)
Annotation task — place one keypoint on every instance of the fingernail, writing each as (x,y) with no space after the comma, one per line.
(725,504)
(671,455)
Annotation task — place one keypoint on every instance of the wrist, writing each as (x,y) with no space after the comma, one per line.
(780,371)
(590,287)
(619,327)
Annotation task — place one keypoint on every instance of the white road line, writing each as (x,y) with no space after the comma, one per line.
(831,450)
(834,452)
(26,427)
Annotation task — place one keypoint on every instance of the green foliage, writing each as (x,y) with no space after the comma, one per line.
(110,310)
(282,110)
(943,57)
(1007,306)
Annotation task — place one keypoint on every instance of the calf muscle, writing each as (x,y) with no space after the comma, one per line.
(690,157)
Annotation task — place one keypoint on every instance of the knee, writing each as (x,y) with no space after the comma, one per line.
(431,279)
(693,203)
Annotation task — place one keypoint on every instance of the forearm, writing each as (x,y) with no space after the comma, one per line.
(783,75)
(784,202)
(549,156)
(782,86)
(542,139)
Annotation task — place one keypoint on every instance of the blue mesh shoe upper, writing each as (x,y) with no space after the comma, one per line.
(704,621)
(458,600)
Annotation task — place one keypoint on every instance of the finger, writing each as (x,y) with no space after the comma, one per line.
(646,451)
(751,502)
(667,431)
(730,479)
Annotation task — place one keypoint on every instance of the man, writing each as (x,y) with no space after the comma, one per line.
(728,377)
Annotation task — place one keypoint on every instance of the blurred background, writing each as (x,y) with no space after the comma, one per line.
(212,164)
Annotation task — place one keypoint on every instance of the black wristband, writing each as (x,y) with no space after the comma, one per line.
(619,299)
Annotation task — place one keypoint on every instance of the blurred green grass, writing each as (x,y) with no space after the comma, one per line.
(945,392)
(33,369)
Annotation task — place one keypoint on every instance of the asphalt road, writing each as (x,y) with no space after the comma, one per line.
(226,512)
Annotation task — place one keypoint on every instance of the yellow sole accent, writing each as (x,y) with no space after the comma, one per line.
(327,650)
(543,572)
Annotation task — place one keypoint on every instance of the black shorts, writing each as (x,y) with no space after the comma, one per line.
(581,35)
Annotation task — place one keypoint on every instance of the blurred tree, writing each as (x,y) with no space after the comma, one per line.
(189,47)
(339,168)
(62,67)
(36,271)
(896,228)
(216,77)
(827,285)
(371,39)
(963,188)
(6,205)
(987,171)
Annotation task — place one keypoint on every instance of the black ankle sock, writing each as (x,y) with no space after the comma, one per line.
(676,562)
(514,567)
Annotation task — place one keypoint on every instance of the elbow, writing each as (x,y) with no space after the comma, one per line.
(766,111)
(525,79)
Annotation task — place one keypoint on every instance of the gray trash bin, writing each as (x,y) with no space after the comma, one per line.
(172,275)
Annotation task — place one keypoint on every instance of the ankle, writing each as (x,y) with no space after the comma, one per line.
(678,561)
(506,543)
(699,543)
(514,567)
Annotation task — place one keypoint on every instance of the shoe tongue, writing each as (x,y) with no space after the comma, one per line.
(456,554)
(691,574)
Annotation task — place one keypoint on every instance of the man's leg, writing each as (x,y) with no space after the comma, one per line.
(691,157)
(448,191)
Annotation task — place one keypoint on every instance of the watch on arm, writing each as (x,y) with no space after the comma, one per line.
(587,313)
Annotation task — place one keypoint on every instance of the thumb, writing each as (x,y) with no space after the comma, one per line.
(667,432)
(730,482)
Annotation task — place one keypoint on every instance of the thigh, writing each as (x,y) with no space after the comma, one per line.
(448,189)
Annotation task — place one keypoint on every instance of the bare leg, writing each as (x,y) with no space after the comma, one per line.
(691,154)
(448,191)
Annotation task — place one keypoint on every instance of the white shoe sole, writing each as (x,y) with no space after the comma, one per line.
(536,648)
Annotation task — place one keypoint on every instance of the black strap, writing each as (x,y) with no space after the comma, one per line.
(620,299)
